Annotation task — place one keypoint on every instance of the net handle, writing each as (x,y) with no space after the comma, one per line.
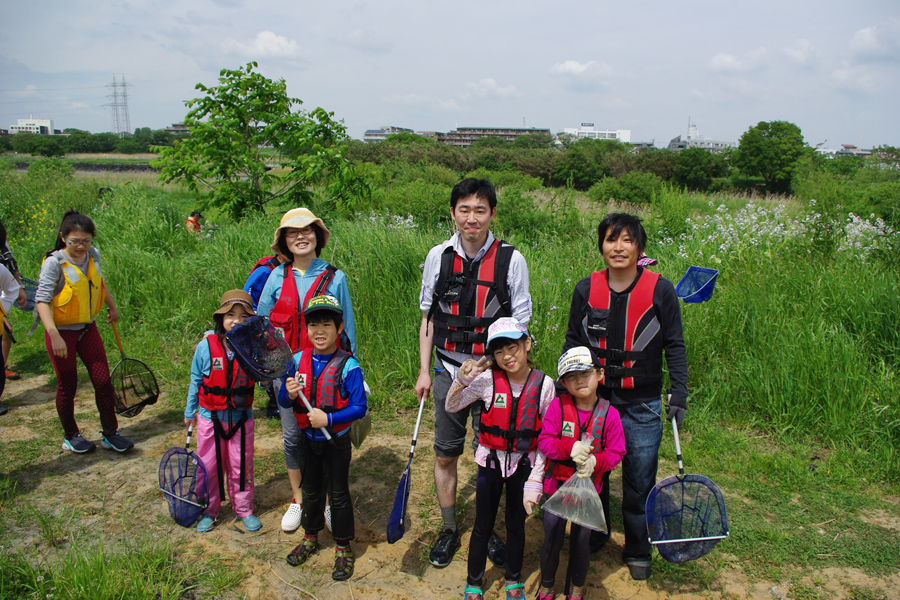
(118,339)
(677,443)
(190,431)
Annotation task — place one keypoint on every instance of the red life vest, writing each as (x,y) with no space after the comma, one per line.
(625,334)
(469,296)
(571,427)
(269,262)
(512,423)
(226,386)
(324,391)
(287,314)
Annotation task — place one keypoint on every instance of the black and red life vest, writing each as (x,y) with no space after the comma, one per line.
(226,386)
(324,391)
(624,331)
(269,262)
(469,296)
(287,314)
(573,428)
(512,423)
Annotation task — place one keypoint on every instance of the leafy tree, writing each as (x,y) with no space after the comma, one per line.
(5,143)
(695,168)
(771,150)
(250,148)
(659,161)
(490,141)
(588,161)
(534,140)
(407,137)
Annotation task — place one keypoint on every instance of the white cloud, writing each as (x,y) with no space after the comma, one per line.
(576,69)
(266,45)
(729,63)
(801,53)
(854,78)
(877,42)
(488,88)
(364,41)
(420,100)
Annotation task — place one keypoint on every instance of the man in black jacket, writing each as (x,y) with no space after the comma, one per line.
(629,317)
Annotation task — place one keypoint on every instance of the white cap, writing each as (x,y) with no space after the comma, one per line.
(578,358)
(506,327)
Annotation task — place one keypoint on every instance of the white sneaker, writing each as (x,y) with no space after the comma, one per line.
(328,517)
(291,519)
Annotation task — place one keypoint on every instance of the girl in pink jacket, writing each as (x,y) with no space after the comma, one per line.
(581,433)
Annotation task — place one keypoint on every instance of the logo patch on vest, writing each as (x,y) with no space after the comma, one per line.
(280,331)
(500,400)
(218,363)
(301,377)
(568,429)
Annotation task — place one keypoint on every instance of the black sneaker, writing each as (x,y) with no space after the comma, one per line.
(115,442)
(78,445)
(496,551)
(598,540)
(639,570)
(3,409)
(444,548)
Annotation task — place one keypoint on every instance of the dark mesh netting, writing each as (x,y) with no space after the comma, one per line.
(686,517)
(260,349)
(135,387)
(183,480)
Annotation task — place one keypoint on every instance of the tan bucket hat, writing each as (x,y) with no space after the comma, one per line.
(297,218)
(232,297)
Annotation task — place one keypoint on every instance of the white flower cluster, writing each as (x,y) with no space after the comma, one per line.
(389,221)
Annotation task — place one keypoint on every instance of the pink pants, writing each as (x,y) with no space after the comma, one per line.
(241,502)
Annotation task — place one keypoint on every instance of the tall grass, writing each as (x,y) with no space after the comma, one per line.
(796,341)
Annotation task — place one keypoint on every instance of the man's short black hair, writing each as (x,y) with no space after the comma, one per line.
(615,223)
(481,188)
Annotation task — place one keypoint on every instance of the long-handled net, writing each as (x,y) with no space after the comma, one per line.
(260,349)
(133,382)
(184,481)
(686,514)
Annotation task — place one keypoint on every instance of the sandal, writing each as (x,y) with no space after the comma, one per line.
(343,564)
(302,552)
(479,595)
(516,585)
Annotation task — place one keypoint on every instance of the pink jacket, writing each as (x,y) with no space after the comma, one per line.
(556,448)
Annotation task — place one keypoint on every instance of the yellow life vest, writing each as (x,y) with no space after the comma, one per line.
(81,297)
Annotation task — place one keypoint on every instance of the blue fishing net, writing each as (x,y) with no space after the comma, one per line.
(260,349)
(697,285)
(184,481)
(686,517)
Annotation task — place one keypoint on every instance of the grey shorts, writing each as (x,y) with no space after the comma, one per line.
(450,428)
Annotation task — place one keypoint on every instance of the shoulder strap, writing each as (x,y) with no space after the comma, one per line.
(446,269)
(501,275)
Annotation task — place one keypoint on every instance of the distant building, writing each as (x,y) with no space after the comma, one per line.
(464,136)
(178,129)
(587,130)
(434,135)
(380,134)
(643,145)
(851,150)
(695,141)
(32,125)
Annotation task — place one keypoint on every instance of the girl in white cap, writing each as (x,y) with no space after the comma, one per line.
(298,242)
(581,434)
(515,397)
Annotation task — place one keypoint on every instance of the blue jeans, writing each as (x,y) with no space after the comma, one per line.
(643,427)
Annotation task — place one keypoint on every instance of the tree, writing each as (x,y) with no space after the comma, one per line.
(489,141)
(533,140)
(250,147)
(695,168)
(771,150)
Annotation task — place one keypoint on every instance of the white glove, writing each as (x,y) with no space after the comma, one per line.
(586,469)
(580,452)
(530,499)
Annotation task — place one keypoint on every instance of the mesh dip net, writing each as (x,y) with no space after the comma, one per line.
(260,349)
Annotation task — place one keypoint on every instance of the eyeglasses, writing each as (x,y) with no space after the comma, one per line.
(292,234)
(79,242)
(576,375)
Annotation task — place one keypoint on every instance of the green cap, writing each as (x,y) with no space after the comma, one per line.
(318,303)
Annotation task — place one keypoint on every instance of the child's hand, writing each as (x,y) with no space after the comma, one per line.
(293,387)
(580,452)
(318,419)
(530,499)
(471,369)
(586,469)
(189,422)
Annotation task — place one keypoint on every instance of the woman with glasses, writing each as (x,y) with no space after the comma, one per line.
(298,242)
(70,294)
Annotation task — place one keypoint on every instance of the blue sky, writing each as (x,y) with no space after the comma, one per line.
(831,67)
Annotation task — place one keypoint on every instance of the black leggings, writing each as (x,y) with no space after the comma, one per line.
(488,489)
(326,465)
(579,551)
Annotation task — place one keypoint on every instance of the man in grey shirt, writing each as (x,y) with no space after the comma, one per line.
(468,282)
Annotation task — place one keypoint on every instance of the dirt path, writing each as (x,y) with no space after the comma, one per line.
(118,495)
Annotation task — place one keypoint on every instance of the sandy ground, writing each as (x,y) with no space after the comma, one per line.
(118,494)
